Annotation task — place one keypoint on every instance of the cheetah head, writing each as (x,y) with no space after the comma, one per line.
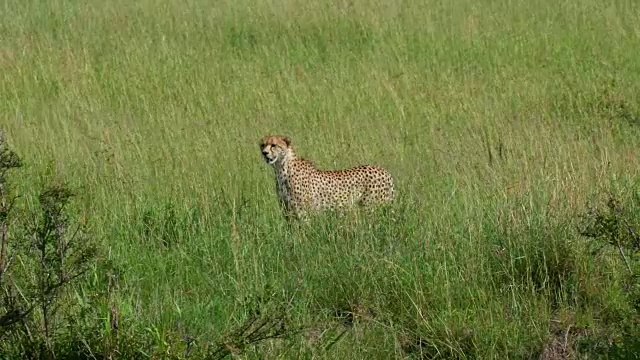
(275,148)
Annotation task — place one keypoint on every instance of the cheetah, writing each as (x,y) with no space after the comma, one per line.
(302,187)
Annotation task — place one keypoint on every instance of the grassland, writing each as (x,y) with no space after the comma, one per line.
(502,121)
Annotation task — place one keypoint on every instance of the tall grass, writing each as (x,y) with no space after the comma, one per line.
(500,121)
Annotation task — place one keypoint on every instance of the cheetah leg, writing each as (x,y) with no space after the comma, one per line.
(299,204)
(300,213)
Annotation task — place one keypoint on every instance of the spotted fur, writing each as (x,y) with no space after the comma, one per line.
(301,186)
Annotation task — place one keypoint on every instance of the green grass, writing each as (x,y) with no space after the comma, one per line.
(500,121)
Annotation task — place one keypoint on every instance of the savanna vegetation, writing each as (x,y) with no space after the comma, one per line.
(138,219)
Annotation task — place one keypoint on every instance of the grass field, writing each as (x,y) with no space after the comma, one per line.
(501,121)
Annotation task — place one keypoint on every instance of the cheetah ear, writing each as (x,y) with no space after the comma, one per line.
(286,140)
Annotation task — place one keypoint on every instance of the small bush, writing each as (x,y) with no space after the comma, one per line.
(38,263)
(612,229)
